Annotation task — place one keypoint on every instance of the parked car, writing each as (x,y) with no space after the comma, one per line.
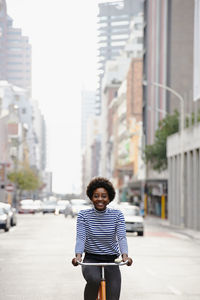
(11,211)
(134,221)
(26,206)
(61,206)
(4,219)
(37,206)
(68,210)
(79,204)
(49,207)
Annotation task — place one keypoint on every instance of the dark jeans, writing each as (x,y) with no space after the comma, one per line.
(92,275)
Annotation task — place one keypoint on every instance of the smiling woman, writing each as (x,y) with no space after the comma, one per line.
(101,236)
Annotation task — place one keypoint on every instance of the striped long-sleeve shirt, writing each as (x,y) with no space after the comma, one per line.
(101,232)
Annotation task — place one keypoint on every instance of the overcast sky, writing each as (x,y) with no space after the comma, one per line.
(63,38)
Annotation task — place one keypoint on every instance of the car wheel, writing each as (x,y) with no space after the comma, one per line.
(140,233)
(6,228)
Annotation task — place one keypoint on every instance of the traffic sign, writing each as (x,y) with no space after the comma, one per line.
(9,187)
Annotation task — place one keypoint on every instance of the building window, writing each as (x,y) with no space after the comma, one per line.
(120,23)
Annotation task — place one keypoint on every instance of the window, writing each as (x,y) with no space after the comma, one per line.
(119,36)
(103,38)
(103,44)
(15,78)
(120,23)
(15,63)
(118,17)
(116,43)
(119,30)
(12,49)
(14,41)
(15,55)
(14,32)
(14,71)
(103,18)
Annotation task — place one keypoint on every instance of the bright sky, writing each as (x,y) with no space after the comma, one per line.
(63,38)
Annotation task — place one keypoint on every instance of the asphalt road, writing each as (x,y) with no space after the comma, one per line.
(35,263)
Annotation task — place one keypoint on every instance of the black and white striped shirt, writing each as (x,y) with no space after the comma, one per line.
(101,232)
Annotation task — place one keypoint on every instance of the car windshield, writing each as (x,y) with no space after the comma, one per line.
(130,211)
(62,202)
(50,203)
(26,202)
(6,206)
(2,211)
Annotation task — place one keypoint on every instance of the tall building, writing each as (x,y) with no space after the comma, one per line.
(15,52)
(114,20)
(168,59)
(40,132)
(11,95)
(87,110)
(170,45)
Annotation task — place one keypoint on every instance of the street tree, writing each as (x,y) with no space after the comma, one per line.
(25,179)
(155,154)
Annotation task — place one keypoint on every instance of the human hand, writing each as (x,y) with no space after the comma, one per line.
(76,259)
(126,258)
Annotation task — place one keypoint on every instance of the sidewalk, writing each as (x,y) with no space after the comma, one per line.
(193,234)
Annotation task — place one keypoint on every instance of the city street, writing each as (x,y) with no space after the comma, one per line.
(35,263)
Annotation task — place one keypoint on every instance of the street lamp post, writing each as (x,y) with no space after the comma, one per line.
(162,86)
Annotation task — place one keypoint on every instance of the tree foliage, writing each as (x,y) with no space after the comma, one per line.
(190,120)
(25,179)
(155,154)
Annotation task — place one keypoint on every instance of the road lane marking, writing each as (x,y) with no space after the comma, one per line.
(174,290)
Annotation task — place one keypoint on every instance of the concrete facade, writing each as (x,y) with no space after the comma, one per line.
(190,143)
(180,52)
(168,59)
(154,65)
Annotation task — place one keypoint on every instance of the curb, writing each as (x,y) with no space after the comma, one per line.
(192,234)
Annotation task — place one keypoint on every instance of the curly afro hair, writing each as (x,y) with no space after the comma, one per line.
(100,182)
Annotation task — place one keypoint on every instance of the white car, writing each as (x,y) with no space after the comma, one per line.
(38,205)
(11,211)
(61,206)
(134,221)
(4,219)
(48,207)
(26,206)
